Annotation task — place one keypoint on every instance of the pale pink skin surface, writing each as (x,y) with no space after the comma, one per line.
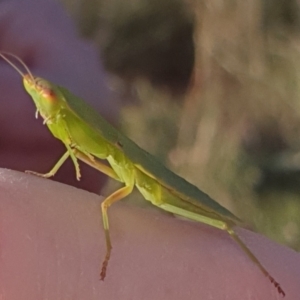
(41,34)
(52,245)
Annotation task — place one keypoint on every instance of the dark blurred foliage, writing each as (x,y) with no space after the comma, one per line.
(281,15)
(151,39)
(148,39)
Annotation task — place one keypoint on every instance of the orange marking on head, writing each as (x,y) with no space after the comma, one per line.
(48,94)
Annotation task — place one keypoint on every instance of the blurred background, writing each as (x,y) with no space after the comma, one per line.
(211,87)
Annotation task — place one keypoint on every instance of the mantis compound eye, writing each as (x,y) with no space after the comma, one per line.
(45,89)
(48,94)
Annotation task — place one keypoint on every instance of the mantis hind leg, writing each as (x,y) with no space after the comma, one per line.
(226,227)
(255,260)
(114,197)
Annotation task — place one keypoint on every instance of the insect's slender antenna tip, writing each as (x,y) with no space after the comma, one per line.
(3,54)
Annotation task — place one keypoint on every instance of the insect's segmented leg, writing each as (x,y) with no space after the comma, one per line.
(114,197)
(54,169)
(193,216)
(226,227)
(75,162)
(69,152)
(254,259)
(98,165)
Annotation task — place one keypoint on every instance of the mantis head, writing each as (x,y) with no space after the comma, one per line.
(46,96)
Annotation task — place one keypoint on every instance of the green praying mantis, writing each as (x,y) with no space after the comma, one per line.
(90,138)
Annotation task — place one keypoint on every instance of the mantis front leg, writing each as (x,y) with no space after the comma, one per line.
(56,167)
(77,154)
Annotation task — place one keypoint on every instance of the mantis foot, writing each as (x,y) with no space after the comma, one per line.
(47,175)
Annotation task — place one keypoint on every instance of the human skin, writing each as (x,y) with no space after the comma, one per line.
(42,35)
(52,246)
